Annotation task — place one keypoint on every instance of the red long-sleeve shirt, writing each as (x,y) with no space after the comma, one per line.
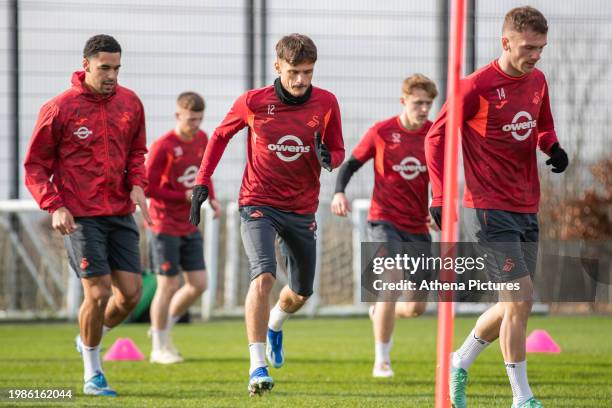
(87,151)
(172,166)
(400,174)
(282,169)
(505,119)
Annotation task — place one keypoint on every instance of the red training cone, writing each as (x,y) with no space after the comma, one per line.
(123,350)
(539,341)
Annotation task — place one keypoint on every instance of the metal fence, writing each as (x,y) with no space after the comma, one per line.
(220,48)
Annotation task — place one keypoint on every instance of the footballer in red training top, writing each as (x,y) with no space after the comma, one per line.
(293,131)
(174,243)
(506,118)
(398,211)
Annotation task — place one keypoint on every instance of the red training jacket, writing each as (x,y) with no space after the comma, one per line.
(87,151)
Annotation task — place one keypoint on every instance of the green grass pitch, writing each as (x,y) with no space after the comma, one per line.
(328,364)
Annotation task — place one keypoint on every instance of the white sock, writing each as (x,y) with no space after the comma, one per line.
(467,353)
(277,317)
(91,361)
(258,356)
(105,330)
(382,352)
(172,320)
(517,373)
(160,338)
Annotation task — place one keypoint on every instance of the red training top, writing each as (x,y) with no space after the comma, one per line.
(400,174)
(505,119)
(172,166)
(282,169)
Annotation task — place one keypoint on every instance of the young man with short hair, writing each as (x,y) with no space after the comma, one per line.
(398,212)
(85,166)
(175,244)
(294,130)
(506,117)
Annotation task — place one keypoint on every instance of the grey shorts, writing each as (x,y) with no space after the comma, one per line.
(170,253)
(104,244)
(261,225)
(512,239)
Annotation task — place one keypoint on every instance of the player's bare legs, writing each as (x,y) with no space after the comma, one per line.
(97,292)
(383,316)
(160,305)
(488,324)
(256,314)
(162,350)
(384,321)
(257,308)
(291,302)
(512,333)
(169,304)
(195,285)
(409,309)
(126,287)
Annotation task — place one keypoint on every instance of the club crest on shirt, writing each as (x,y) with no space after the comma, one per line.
(178,151)
(126,117)
(314,122)
(396,137)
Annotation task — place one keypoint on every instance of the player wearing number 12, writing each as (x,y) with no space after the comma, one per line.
(294,130)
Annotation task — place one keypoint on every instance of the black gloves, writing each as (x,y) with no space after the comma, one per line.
(558,159)
(436,214)
(322,152)
(199,195)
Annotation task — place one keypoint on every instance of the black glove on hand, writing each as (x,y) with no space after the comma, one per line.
(436,214)
(558,159)
(199,195)
(322,153)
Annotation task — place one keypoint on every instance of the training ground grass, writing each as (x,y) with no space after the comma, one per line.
(328,364)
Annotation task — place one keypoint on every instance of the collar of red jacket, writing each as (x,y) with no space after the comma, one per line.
(78,82)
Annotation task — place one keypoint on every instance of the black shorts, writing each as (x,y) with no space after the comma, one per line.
(104,244)
(259,227)
(512,239)
(169,252)
(381,231)
(398,241)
